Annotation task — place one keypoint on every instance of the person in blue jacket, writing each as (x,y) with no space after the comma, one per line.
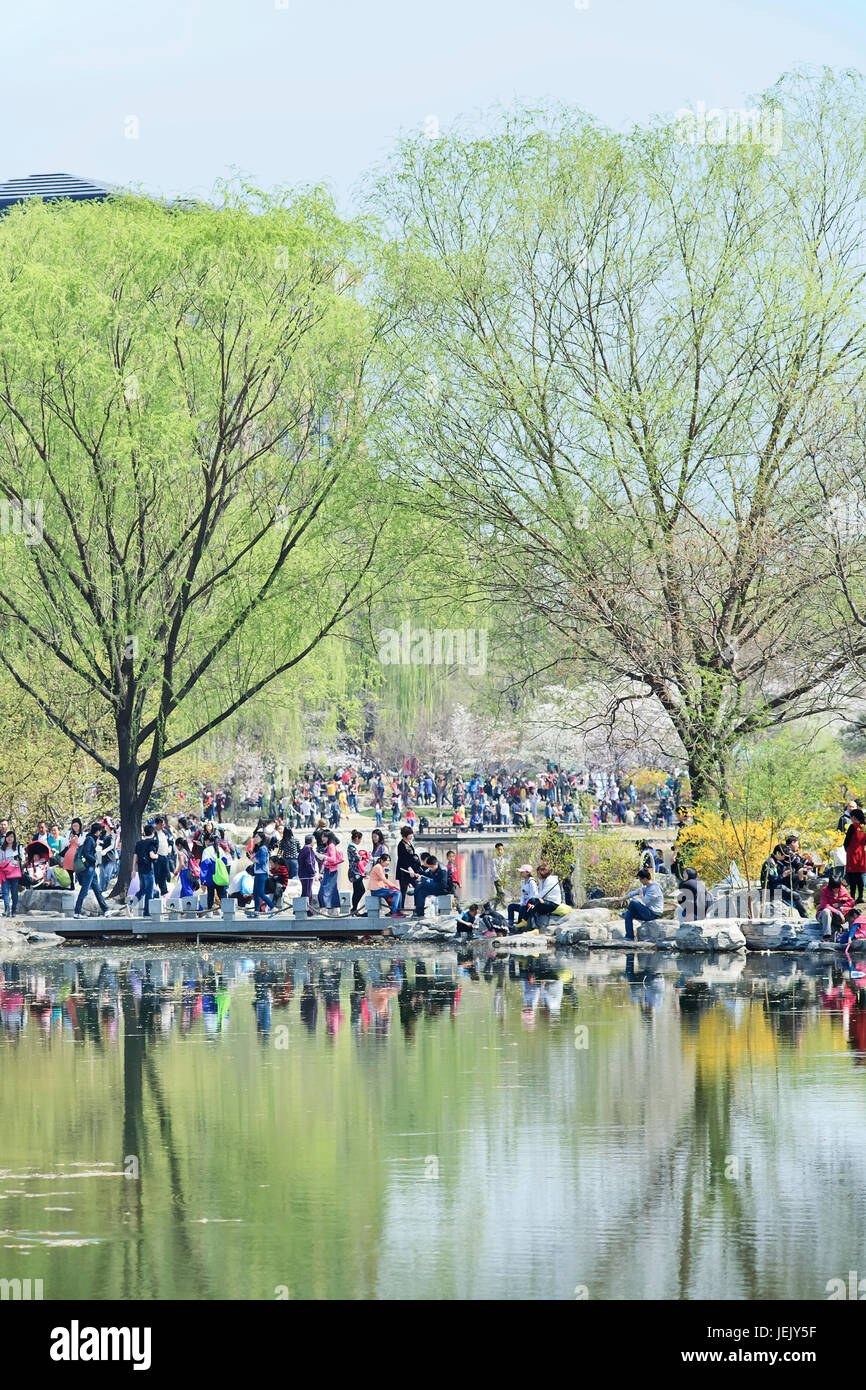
(261,869)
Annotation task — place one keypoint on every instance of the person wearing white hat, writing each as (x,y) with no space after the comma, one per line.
(528,891)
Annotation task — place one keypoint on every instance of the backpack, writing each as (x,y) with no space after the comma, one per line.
(79,863)
(220,873)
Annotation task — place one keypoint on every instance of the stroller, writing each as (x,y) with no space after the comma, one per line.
(38,858)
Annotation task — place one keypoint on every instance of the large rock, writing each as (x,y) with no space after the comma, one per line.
(589,915)
(42,900)
(662,929)
(610,933)
(423,928)
(710,936)
(15,939)
(773,933)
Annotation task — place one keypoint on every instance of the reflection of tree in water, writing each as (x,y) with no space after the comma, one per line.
(717,1183)
(138,1067)
(689,1167)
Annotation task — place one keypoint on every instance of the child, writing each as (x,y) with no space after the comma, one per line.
(491,922)
(452,871)
(499,868)
(466,922)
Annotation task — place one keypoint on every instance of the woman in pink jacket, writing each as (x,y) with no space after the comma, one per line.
(329,893)
(380,886)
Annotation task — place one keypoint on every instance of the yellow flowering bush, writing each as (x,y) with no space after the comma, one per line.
(713,842)
(647,780)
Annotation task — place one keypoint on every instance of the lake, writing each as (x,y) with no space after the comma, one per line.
(315,1123)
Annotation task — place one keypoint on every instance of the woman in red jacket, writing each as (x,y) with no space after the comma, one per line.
(855,854)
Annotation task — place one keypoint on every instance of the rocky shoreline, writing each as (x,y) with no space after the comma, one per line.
(21,937)
(599,926)
(603,928)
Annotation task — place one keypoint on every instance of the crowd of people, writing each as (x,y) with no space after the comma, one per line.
(475,802)
(195,854)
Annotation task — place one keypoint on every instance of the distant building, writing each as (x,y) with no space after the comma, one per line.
(50,186)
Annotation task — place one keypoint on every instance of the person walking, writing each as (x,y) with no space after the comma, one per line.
(143,861)
(10,872)
(86,858)
(329,892)
(164,847)
(289,850)
(261,866)
(73,839)
(107,854)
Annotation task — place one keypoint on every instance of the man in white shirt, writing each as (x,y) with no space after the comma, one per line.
(645,904)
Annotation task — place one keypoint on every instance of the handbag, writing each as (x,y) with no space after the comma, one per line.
(12,869)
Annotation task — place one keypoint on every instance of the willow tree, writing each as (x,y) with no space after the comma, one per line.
(181,463)
(613,347)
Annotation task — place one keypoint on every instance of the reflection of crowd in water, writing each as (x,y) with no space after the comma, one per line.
(86,999)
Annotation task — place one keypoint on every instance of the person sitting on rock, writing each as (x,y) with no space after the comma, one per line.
(528,891)
(645,904)
(834,903)
(773,880)
(692,900)
(549,897)
(433,880)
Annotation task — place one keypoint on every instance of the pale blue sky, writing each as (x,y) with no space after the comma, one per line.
(321,88)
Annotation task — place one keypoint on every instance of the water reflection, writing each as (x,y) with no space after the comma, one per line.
(85,999)
(442,1124)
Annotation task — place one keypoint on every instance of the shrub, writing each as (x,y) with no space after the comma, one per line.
(541,842)
(608,864)
(712,843)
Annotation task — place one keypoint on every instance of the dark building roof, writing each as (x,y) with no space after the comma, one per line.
(52,186)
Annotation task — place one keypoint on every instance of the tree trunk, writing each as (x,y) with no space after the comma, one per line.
(708,768)
(130,828)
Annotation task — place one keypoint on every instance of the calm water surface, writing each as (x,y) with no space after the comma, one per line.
(343,1124)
